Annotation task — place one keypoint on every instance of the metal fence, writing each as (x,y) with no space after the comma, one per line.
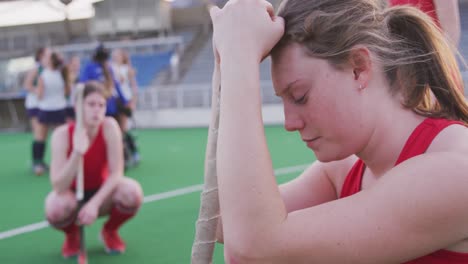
(190,96)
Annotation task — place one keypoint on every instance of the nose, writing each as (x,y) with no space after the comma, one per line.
(292,120)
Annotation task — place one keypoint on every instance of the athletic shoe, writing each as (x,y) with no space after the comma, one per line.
(39,169)
(136,158)
(113,244)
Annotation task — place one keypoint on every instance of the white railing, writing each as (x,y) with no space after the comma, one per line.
(190,96)
(190,106)
(150,45)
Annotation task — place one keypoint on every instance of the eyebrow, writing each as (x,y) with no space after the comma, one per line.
(287,88)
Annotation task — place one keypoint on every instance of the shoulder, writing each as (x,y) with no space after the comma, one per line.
(60,135)
(445,3)
(110,128)
(110,123)
(453,138)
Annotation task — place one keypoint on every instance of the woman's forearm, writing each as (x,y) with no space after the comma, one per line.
(28,82)
(106,189)
(62,182)
(249,197)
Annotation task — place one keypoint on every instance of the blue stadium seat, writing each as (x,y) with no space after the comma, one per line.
(149,65)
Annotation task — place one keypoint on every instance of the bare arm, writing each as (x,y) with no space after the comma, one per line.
(394,221)
(449,17)
(40,88)
(28,81)
(133,86)
(113,138)
(311,188)
(62,170)
(244,165)
(132,79)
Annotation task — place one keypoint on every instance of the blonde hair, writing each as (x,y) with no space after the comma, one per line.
(414,53)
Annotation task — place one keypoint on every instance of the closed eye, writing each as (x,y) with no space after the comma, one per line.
(300,101)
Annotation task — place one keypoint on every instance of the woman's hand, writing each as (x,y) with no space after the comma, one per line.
(88,213)
(245,27)
(80,141)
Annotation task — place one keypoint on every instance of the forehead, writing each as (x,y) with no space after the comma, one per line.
(292,63)
(94,96)
(47,52)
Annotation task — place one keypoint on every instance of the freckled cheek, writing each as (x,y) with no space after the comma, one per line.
(320,107)
(326,115)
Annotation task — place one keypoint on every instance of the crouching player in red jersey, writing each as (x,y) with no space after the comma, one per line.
(106,190)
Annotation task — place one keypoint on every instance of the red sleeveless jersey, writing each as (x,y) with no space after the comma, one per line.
(417,144)
(96,168)
(427,6)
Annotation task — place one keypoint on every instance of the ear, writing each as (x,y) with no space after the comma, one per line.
(361,64)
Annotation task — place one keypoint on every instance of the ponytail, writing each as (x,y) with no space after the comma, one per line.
(431,69)
(57,64)
(66,79)
(108,82)
(101,56)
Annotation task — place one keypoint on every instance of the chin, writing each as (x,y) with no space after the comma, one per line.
(329,156)
(94,123)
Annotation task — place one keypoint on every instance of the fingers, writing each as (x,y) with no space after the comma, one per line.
(215,11)
(259,22)
(279,24)
(79,218)
(84,218)
(270,9)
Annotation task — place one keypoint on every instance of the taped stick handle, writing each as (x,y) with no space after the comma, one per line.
(78,126)
(209,214)
(82,256)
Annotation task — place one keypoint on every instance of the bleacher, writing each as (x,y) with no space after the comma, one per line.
(136,16)
(148,66)
(202,67)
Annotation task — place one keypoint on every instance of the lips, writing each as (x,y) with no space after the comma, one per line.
(311,143)
(310,140)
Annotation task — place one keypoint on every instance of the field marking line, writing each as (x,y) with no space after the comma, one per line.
(148,199)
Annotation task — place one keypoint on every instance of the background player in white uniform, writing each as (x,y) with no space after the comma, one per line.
(42,57)
(51,91)
(125,75)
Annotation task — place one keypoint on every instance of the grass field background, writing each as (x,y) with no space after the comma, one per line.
(163,230)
